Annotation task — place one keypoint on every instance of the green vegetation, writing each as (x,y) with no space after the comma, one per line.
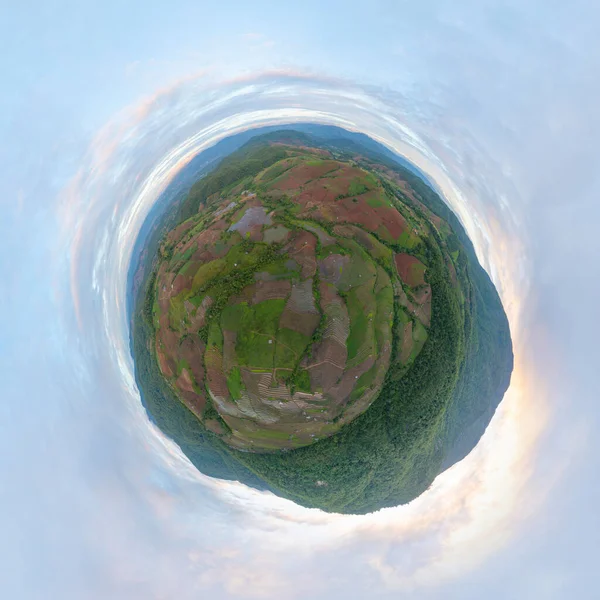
(234,383)
(256,332)
(302,381)
(241,165)
(271,310)
(359,324)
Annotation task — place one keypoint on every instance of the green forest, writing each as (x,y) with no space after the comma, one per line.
(423,420)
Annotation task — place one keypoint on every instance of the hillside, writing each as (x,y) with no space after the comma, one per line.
(316,323)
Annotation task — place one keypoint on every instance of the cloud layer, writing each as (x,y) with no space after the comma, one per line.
(496,102)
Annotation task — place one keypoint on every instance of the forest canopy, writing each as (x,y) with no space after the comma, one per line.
(314,321)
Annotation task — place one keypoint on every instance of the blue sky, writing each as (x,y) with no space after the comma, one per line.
(498,101)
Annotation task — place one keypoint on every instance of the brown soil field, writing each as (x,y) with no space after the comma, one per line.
(410,269)
(274,247)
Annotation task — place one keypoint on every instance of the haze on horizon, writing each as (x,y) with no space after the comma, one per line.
(95,504)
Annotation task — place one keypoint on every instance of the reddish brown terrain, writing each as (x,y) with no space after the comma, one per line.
(274,309)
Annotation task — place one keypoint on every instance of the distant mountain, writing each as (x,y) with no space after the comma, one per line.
(225,233)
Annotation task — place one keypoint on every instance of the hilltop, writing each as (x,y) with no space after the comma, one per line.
(320,314)
(275,308)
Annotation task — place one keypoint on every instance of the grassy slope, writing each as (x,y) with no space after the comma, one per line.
(485,373)
(392,452)
(203,448)
(386,455)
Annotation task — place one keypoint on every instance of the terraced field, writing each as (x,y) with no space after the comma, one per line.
(276,309)
(313,320)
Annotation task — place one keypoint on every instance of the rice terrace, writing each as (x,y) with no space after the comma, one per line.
(313,320)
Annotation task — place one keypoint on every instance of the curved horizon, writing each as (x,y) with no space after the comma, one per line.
(493,104)
(357,111)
